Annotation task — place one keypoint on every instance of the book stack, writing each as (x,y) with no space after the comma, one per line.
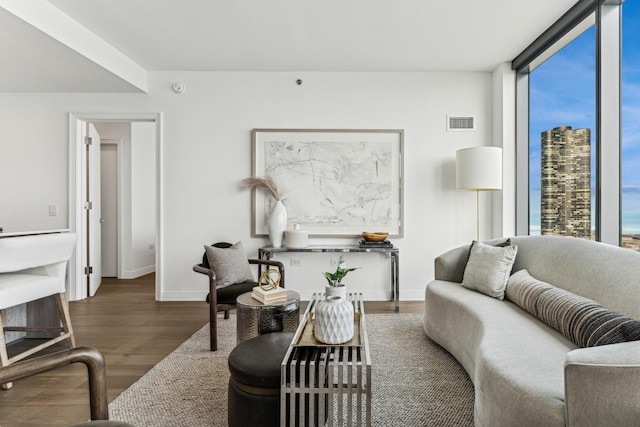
(375,244)
(266,297)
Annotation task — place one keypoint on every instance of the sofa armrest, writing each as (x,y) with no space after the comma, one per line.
(450,265)
(602,385)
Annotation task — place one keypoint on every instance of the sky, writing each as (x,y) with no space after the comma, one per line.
(562,93)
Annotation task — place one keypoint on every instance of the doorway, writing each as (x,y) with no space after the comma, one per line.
(109,193)
(138,190)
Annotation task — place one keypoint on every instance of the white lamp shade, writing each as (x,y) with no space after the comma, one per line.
(479,168)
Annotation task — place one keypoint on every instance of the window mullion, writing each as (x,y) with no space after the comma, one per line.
(608,129)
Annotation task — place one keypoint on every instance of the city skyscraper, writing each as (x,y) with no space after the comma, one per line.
(566,182)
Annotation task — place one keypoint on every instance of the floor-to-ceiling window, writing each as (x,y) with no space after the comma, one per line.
(631,124)
(562,105)
(568,131)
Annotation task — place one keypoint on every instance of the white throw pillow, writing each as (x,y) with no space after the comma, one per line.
(230,264)
(488,268)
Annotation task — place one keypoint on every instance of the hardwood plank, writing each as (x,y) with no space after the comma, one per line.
(133,331)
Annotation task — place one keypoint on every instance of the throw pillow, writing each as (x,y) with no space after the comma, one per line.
(498,245)
(230,264)
(523,290)
(488,269)
(583,321)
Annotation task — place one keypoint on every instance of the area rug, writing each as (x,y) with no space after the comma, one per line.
(415,381)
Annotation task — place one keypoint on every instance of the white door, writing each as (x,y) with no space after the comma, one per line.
(109,205)
(94,232)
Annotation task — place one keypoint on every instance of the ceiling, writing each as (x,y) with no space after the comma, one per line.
(254,35)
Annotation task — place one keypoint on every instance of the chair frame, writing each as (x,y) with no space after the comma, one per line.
(66,331)
(90,357)
(35,256)
(214,307)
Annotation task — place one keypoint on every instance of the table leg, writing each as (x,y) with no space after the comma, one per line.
(395,282)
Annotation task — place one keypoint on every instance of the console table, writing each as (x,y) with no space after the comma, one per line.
(393,254)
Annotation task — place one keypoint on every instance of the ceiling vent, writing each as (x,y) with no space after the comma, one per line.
(461,123)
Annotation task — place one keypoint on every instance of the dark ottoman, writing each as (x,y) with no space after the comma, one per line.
(254,386)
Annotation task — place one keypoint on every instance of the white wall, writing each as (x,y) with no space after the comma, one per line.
(207,152)
(142,258)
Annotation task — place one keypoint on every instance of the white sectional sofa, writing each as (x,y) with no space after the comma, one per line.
(525,372)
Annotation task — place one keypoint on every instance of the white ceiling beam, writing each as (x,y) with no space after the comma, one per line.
(47,18)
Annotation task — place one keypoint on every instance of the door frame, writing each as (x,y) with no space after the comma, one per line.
(118,142)
(77,284)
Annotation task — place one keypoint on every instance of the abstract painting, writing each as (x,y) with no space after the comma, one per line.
(334,182)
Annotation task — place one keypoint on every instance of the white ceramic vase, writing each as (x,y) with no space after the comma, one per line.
(277,223)
(333,322)
(340,291)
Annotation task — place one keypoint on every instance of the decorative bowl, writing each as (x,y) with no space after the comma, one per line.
(377,236)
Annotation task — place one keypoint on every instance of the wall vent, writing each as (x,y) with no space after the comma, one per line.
(461,123)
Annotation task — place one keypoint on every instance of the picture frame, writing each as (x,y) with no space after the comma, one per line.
(334,183)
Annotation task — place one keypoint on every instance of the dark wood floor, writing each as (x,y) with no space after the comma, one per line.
(134,332)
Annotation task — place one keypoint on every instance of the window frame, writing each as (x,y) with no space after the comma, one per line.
(607,14)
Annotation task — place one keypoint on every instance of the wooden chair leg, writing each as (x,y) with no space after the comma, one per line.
(4,358)
(65,318)
(226,314)
(213,317)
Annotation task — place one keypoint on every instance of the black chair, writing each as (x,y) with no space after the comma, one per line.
(95,364)
(224,299)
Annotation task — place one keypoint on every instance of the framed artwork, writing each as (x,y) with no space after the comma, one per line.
(333,182)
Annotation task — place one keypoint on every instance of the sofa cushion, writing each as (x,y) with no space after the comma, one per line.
(583,321)
(515,361)
(488,268)
(230,264)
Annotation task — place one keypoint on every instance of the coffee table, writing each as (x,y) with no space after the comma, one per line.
(256,318)
(327,385)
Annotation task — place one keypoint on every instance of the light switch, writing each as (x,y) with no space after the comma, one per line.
(53,210)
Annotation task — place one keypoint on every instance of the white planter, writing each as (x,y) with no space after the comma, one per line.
(277,223)
(333,322)
(340,291)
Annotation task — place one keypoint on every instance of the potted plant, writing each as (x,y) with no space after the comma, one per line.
(336,287)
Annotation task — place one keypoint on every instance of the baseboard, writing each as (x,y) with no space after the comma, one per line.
(184,296)
(134,274)
(304,295)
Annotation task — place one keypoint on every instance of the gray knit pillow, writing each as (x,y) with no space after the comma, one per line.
(583,321)
(230,264)
(489,268)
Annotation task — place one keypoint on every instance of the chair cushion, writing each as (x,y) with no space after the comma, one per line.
(230,264)
(228,295)
(16,288)
(256,361)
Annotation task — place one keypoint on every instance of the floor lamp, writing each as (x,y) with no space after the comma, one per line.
(479,169)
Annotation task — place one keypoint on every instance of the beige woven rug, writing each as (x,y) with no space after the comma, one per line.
(415,382)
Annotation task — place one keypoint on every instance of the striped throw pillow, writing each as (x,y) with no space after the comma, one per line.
(583,321)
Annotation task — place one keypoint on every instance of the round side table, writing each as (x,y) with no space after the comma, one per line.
(255,318)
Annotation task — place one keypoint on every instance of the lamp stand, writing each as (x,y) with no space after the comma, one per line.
(477,215)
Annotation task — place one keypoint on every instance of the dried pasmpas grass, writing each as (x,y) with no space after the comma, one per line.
(267,184)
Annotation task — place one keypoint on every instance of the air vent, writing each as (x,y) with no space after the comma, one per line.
(461,123)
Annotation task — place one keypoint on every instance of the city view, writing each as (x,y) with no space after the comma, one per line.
(562,137)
